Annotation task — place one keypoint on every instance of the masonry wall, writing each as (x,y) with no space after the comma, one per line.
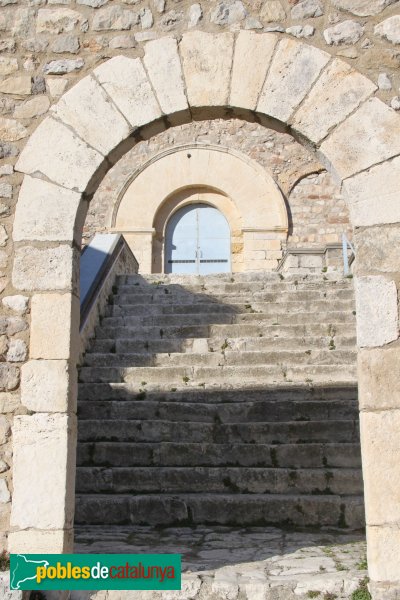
(45,47)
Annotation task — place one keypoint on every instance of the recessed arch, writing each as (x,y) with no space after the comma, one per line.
(355,135)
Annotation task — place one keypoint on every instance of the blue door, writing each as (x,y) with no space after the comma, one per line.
(198,241)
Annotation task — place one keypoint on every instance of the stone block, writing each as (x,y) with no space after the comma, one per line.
(361,8)
(293,70)
(346,32)
(114,18)
(57,20)
(342,89)
(45,269)
(9,378)
(43,455)
(368,136)
(20,85)
(380,442)
(164,69)
(11,130)
(362,190)
(16,303)
(379,383)
(49,386)
(17,351)
(45,212)
(87,109)
(378,249)
(257,50)
(32,108)
(58,313)
(207,61)
(377,311)
(42,542)
(125,80)
(60,155)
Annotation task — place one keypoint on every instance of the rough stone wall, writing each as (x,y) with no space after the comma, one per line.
(317,212)
(45,47)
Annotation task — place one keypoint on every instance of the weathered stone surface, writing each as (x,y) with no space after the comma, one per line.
(384,82)
(114,17)
(300,31)
(349,147)
(379,385)
(48,386)
(24,22)
(9,402)
(171,20)
(347,32)
(8,65)
(93,3)
(389,29)
(44,448)
(57,20)
(7,150)
(247,83)
(363,8)
(126,82)
(9,380)
(252,23)
(383,564)
(38,84)
(6,190)
(5,428)
(6,170)
(228,12)
(146,18)
(307,9)
(381,465)
(56,86)
(343,89)
(56,152)
(4,492)
(395,103)
(58,313)
(164,70)
(43,269)
(378,249)
(20,85)
(294,68)
(35,44)
(32,108)
(159,5)
(12,325)
(17,303)
(207,60)
(46,542)
(3,236)
(65,65)
(377,313)
(86,108)
(66,43)
(17,351)
(195,15)
(123,41)
(11,130)
(273,12)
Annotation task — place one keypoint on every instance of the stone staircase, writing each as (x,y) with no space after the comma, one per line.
(221,400)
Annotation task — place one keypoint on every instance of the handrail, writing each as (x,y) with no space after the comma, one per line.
(347,260)
(97,261)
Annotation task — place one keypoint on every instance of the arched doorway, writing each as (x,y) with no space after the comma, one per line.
(197,241)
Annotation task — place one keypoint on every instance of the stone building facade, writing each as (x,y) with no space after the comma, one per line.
(338,96)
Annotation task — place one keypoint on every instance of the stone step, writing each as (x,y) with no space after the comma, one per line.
(294,432)
(170,345)
(223,509)
(226,412)
(273,393)
(210,308)
(244,277)
(291,456)
(181,297)
(335,316)
(279,328)
(217,377)
(217,480)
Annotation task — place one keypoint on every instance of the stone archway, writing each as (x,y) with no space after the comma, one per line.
(292,86)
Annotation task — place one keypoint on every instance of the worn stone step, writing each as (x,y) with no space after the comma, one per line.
(294,432)
(222,357)
(217,377)
(280,328)
(210,308)
(289,392)
(292,456)
(226,412)
(334,316)
(170,345)
(249,480)
(223,509)
(243,277)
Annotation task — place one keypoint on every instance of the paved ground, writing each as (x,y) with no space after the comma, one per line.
(258,563)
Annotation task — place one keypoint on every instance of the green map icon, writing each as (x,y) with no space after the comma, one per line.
(24,570)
